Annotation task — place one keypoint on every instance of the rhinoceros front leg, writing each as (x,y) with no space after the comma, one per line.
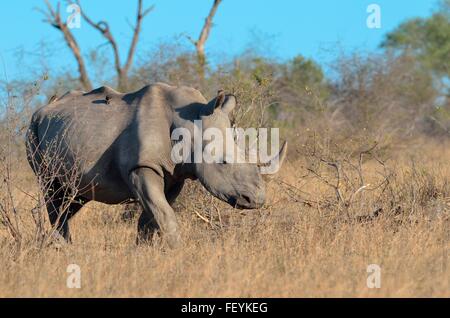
(173,192)
(157,214)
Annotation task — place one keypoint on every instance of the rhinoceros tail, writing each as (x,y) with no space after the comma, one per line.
(32,145)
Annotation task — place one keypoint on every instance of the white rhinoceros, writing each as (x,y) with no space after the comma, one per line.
(118,148)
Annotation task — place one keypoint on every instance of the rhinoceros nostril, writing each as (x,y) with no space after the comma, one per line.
(249,201)
(246,198)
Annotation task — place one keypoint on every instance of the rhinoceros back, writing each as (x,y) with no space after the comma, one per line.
(101,135)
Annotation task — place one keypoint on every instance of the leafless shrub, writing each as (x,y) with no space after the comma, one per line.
(342,170)
(50,166)
(12,127)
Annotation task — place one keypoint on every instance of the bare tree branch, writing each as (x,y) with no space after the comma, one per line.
(139,17)
(103,28)
(204,34)
(53,17)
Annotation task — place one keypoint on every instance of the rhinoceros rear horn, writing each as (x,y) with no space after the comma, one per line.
(275,163)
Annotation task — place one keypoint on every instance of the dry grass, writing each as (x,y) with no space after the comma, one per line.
(300,245)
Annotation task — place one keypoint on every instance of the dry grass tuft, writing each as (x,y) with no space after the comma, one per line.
(305,242)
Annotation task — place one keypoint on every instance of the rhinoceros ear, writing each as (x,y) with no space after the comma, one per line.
(229,104)
(225,102)
(219,99)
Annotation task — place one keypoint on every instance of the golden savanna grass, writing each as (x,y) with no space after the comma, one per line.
(303,243)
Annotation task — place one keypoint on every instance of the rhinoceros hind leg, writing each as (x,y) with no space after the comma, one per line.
(60,211)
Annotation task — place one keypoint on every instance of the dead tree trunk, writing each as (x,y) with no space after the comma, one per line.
(203,37)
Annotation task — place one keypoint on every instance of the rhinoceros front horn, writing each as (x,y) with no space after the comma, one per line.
(275,163)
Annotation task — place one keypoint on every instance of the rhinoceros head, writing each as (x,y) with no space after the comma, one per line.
(239,184)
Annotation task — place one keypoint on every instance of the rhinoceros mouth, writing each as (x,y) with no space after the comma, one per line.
(244,203)
(234,203)
(247,207)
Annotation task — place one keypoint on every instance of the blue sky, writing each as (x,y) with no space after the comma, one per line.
(313,28)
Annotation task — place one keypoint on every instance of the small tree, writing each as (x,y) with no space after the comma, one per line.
(427,40)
